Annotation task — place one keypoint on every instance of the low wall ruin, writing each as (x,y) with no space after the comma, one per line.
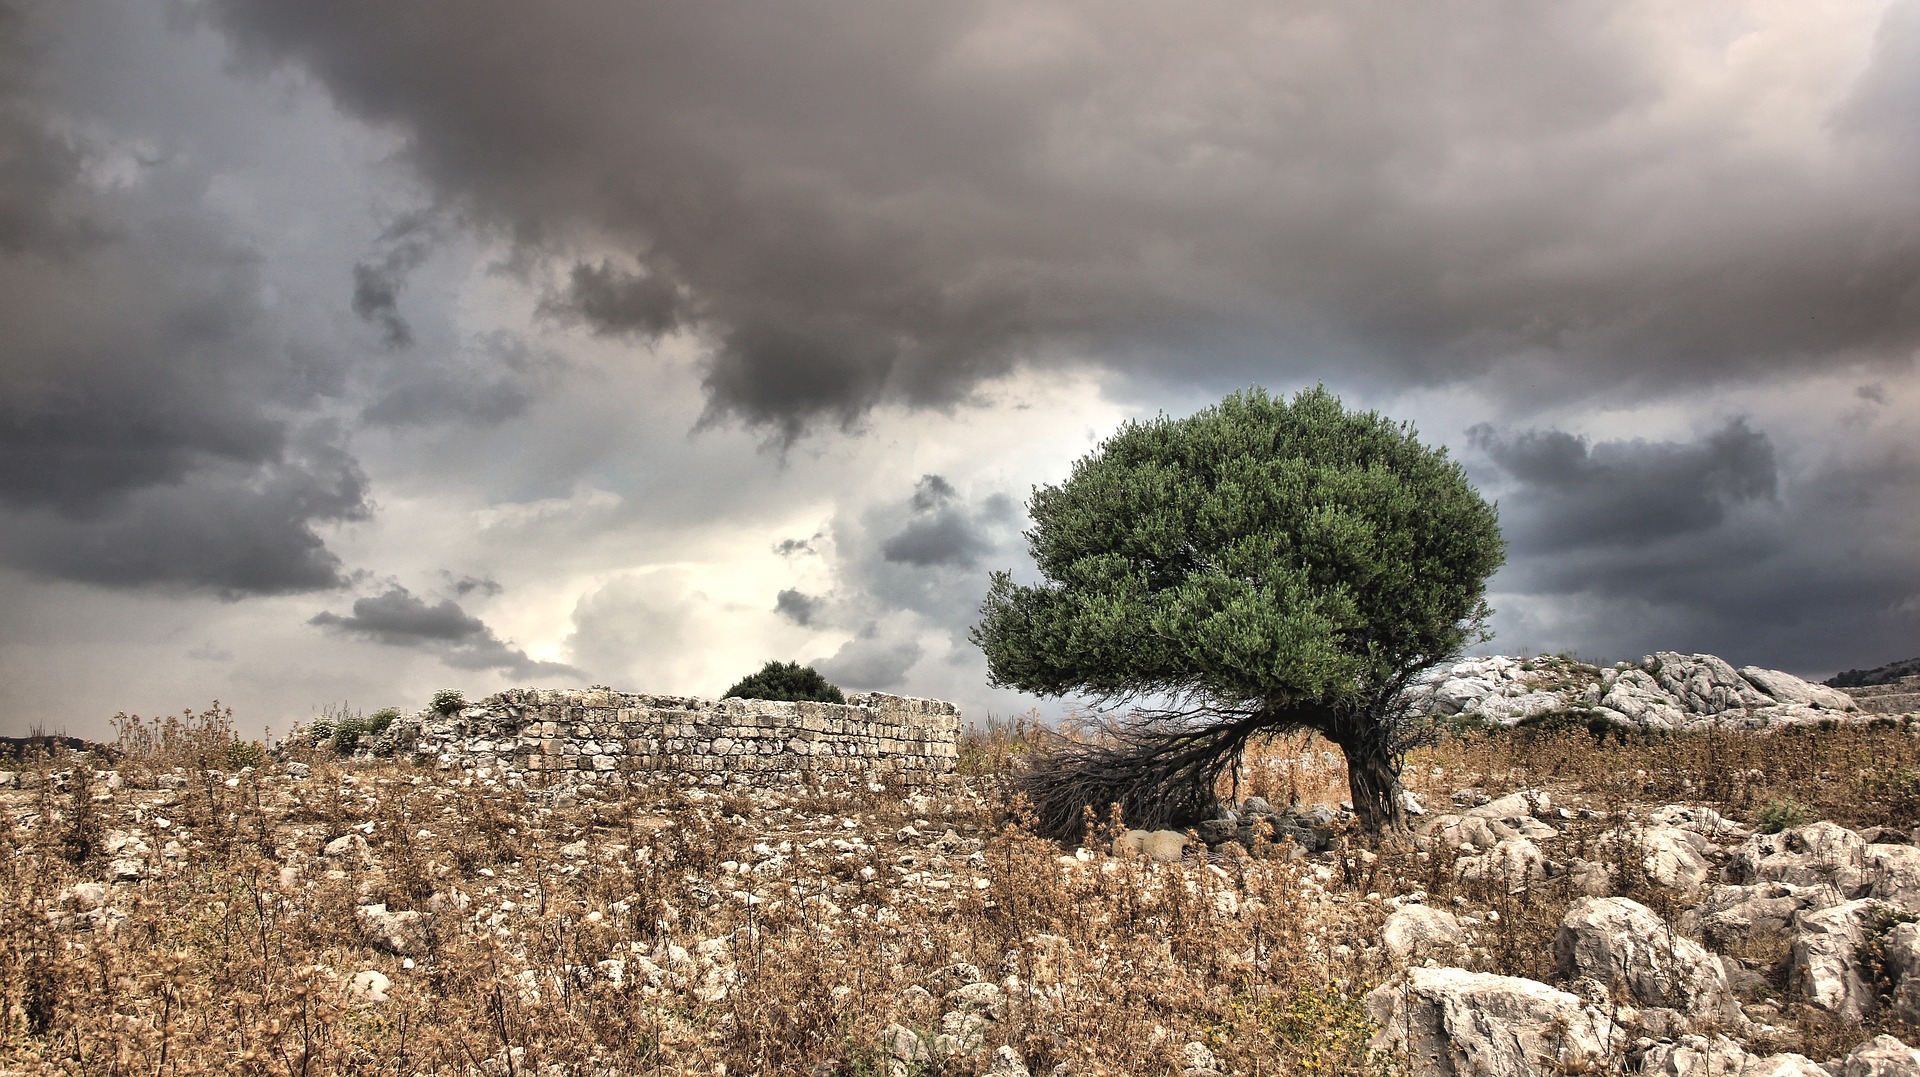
(599,734)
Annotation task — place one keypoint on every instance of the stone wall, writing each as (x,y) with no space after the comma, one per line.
(600,734)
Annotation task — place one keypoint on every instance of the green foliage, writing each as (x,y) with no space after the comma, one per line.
(1783,813)
(379,720)
(1258,551)
(786,680)
(448,700)
(241,754)
(346,734)
(1319,1030)
(1263,564)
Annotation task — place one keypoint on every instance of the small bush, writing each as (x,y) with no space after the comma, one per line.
(379,720)
(448,700)
(241,754)
(786,680)
(1783,813)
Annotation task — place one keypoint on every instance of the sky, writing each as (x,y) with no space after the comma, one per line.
(357,350)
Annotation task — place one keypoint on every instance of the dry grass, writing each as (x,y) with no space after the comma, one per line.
(663,929)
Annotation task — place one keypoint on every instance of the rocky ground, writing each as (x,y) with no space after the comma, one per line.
(1722,904)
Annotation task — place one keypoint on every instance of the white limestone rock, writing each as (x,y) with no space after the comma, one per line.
(1629,948)
(1419,933)
(1881,1056)
(1699,1056)
(1452,1023)
(369,986)
(1824,968)
(402,933)
(1515,863)
(1789,689)
(1812,855)
(1735,912)
(1164,846)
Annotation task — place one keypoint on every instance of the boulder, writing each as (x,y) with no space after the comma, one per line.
(1892,874)
(1703,683)
(350,850)
(1419,933)
(1699,1056)
(1452,1023)
(1515,863)
(1901,950)
(1881,1056)
(1811,855)
(1630,949)
(1674,859)
(1733,913)
(403,933)
(1824,968)
(1007,1063)
(1787,688)
(1165,846)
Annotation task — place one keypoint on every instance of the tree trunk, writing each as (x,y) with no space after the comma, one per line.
(1373,775)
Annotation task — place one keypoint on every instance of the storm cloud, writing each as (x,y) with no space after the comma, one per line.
(864,203)
(1573,494)
(398,618)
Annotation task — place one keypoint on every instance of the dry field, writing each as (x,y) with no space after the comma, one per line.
(180,914)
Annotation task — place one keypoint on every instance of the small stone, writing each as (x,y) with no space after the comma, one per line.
(369,986)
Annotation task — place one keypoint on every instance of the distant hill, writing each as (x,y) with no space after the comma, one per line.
(1887,674)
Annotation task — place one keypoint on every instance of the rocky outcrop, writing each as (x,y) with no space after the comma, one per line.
(1665,691)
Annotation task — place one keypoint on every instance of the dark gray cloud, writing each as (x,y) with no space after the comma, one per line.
(943,531)
(865,203)
(1571,493)
(377,281)
(794,547)
(467,585)
(798,606)
(236,530)
(156,421)
(613,301)
(398,618)
(871,661)
(1620,547)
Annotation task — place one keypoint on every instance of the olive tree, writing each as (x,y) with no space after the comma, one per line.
(786,680)
(1260,566)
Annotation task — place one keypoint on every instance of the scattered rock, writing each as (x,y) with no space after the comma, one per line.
(1450,1021)
(1629,948)
(1165,846)
(1881,1056)
(1419,933)
(1007,1063)
(1699,1056)
(369,986)
(403,933)
(1824,968)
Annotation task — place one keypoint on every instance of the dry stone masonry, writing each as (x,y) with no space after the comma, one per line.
(599,734)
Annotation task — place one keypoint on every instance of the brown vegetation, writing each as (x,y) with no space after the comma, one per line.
(657,928)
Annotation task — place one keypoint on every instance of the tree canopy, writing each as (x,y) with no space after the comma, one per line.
(1258,565)
(786,680)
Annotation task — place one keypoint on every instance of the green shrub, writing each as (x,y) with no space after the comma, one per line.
(786,680)
(448,700)
(1783,813)
(379,720)
(346,734)
(241,754)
